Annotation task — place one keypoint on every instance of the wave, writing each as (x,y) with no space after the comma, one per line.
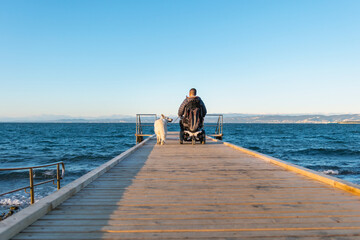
(12,202)
(326,151)
(330,172)
(116,136)
(40,174)
(20,200)
(254,148)
(47,141)
(349,172)
(15,199)
(339,171)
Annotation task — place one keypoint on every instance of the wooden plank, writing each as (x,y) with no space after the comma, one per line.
(263,208)
(239,226)
(162,197)
(232,233)
(190,203)
(204,221)
(183,215)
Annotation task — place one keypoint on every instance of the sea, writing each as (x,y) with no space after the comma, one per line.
(332,149)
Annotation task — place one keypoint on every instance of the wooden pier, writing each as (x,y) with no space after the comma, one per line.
(209,191)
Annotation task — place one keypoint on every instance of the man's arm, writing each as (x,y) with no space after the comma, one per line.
(182,108)
(203,108)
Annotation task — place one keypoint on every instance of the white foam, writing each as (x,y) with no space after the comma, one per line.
(330,172)
(8,201)
(49,173)
(15,200)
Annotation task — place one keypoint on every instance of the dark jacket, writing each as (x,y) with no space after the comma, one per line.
(186,101)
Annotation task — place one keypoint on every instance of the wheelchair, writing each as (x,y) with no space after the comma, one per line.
(192,133)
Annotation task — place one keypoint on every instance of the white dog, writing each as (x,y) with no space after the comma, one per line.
(160,128)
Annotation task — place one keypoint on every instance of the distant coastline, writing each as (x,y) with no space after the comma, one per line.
(228,118)
(349,122)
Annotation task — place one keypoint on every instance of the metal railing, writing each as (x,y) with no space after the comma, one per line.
(31,176)
(218,126)
(139,126)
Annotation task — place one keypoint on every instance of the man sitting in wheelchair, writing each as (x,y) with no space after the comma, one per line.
(192,112)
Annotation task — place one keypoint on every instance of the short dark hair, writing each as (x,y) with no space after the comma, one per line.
(193,91)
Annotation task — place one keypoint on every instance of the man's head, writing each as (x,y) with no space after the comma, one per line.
(192,92)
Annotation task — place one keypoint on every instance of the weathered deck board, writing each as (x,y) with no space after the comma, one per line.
(201,192)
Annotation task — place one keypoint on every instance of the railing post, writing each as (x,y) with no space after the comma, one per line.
(32,199)
(58,175)
(222,124)
(139,139)
(137,129)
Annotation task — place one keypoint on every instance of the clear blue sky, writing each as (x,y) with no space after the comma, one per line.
(96,58)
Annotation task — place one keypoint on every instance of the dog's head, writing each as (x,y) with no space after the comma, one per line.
(166,118)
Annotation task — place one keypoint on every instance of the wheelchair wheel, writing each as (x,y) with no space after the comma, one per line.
(181,136)
(203,137)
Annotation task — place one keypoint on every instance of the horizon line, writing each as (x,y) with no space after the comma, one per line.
(65,117)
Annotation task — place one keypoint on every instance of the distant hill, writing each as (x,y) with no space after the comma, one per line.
(69,119)
(233,118)
(349,122)
(228,118)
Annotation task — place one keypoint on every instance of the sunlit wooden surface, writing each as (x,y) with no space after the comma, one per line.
(201,192)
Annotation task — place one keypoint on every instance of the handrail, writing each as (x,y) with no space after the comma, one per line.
(139,131)
(31,176)
(219,126)
(140,135)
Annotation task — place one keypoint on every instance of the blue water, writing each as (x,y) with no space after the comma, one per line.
(332,149)
(82,147)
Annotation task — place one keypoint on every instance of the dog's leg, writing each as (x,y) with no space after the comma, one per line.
(162,137)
